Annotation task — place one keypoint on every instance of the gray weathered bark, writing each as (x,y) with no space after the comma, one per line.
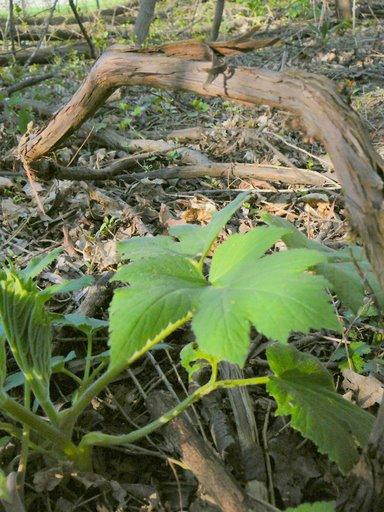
(144,19)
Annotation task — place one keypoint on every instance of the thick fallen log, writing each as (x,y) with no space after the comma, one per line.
(358,167)
(44,55)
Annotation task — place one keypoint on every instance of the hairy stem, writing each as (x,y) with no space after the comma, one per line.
(24,416)
(24,442)
(40,392)
(100,439)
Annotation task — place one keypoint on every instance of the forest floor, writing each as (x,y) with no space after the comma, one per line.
(88,218)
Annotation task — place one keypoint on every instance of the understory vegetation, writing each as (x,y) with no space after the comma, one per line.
(190,315)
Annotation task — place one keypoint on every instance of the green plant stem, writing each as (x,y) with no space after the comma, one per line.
(100,439)
(88,357)
(69,416)
(71,375)
(40,393)
(21,414)
(24,442)
(96,372)
(17,433)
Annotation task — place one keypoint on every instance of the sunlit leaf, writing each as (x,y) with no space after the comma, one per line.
(164,290)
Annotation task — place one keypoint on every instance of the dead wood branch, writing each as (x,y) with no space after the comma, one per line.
(27,82)
(52,33)
(120,14)
(44,55)
(92,49)
(358,167)
(273,173)
(55,170)
(111,139)
(199,457)
(43,33)
(292,176)
(242,407)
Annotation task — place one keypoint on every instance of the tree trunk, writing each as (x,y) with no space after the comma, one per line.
(219,9)
(144,19)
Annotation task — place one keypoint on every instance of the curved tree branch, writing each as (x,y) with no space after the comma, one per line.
(359,168)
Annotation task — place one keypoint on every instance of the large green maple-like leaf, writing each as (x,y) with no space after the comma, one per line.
(304,389)
(245,287)
(164,290)
(193,241)
(273,293)
(348,270)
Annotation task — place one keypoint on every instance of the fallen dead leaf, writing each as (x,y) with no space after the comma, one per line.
(368,390)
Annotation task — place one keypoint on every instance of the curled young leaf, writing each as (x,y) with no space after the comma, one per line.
(27,325)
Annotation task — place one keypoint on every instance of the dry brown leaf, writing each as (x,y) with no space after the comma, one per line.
(368,390)
(102,254)
(198,211)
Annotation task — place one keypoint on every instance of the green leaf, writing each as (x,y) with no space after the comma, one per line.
(164,290)
(67,286)
(273,293)
(193,359)
(146,247)
(163,268)
(319,506)
(38,264)
(83,323)
(348,270)
(194,240)
(353,353)
(304,389)
(293,238)
(27,326)
(248,249)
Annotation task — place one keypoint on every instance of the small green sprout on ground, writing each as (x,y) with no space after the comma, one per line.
(169,282)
